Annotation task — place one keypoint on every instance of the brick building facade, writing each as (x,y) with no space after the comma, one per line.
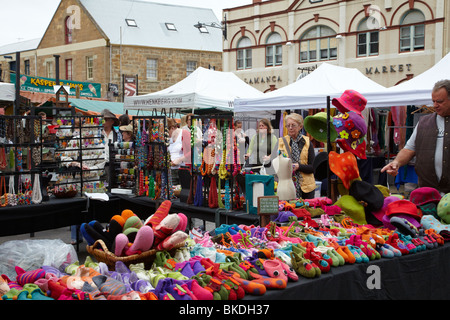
(103,44)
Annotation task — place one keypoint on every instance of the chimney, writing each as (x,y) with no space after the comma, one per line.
(257,1)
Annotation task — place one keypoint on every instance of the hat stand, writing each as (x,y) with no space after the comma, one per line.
(328,146)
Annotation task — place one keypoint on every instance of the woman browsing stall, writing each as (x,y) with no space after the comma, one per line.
(301,151)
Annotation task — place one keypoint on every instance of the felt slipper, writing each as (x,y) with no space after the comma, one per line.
(143,241)
(120,244)
(172,241)
(160,214)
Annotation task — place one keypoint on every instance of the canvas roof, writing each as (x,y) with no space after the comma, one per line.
(203,89)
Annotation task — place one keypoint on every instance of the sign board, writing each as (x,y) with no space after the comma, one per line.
(46,85)
(268,205)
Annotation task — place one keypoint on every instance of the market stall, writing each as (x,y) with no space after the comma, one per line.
(303,248)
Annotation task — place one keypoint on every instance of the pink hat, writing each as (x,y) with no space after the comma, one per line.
(424,195)
(350,100)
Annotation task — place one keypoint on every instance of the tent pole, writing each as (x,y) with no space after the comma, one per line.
(328,148)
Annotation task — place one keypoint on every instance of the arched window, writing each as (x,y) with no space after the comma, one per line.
(412,31)
(274,56)
(368,37)
(244,54)
(318,43)
(68,29)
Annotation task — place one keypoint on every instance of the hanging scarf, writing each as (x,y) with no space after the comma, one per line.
(198,198)
(296,176)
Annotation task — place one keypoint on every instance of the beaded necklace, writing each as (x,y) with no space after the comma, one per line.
(4,197)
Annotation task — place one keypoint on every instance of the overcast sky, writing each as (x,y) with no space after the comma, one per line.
(28,19)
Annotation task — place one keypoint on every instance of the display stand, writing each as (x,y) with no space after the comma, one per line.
(152,159)
(20,145)
(79,139)
(122,168)
(214,163)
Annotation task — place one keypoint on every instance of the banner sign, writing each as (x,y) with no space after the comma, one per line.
(45,85)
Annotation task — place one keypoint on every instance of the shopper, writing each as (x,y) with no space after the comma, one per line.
(430,144)
(261,145)
(127,133)
(300,150)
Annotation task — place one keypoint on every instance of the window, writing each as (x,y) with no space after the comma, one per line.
(171,26)
(367,39)
(190,67)
(318,43)
(27,67)
(412,32)
(69,69)
(68,30)
(49,69)
(89,68)
(152,69)
(131,22)
(244,54)
(274,55)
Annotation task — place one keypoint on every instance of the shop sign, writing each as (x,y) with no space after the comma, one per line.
(389,69)
(45,85)
(267,79)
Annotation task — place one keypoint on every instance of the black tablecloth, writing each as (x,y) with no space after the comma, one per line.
(421,275)
(52,214)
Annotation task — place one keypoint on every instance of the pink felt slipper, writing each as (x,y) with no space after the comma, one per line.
(274,269)
(121,243)
(142,242)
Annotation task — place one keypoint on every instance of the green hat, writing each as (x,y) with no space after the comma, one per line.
(443,208)
(352,208)
(316,126)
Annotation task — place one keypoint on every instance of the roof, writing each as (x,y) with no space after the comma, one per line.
(21,46)
(97,106)
(151,19)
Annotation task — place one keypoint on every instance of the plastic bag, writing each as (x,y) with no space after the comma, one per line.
(32,254)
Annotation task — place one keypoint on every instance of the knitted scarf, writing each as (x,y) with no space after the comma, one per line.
(296,176)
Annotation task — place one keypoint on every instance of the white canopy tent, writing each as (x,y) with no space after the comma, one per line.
(416,91)
(7,92)
(203,89)
(312,90)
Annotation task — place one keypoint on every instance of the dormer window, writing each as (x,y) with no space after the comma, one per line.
(131,22)
(171,26)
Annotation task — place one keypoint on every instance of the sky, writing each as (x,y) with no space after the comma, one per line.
(28,19)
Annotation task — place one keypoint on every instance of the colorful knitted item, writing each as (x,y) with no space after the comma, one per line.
(24,277)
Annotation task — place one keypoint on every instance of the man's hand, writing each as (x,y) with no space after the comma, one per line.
(391,168)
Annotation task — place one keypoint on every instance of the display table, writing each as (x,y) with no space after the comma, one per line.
(421,275)
(102,211)
(52,214)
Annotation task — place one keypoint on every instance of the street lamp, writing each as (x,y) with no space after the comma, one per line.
(202,27)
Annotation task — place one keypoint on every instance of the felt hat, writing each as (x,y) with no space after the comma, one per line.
(127,128)
(368,193)
(350,100)
(403,207)
(344,166)
(379,214)
(351,129)
(424,195)
(352,208)
(443,208)
(384,190)
(320,165)
(109,115)
(316,126)
(405,226)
